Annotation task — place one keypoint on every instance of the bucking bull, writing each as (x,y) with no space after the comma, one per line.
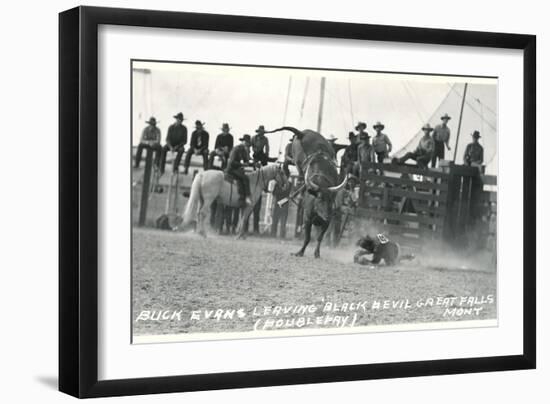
(314,158)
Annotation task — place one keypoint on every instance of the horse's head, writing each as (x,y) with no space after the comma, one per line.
(273,172)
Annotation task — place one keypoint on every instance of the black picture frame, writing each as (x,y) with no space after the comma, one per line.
(78,200)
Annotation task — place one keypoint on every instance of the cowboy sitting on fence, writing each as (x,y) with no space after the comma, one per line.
(423,152)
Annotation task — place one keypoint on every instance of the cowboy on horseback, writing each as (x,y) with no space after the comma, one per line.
(211,185)
(238,158)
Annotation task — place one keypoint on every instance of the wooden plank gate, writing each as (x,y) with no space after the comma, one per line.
(420,206)
(404,201)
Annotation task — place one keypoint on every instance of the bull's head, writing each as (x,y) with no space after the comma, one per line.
(312,174)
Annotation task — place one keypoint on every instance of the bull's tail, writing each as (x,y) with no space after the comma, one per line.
(299,134)
(194,203)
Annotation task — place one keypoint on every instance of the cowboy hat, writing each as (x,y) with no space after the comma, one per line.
(446,116)
(378,125)
(152,121)
(246,138)
(199,123)
(225,126)
(179,116)
(261,129)
(351,135)
(360,124)
(476,134)
(427,127)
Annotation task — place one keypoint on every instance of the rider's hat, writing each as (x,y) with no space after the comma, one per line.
(427,128)
(246,138)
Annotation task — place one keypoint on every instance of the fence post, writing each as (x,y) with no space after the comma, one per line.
(462,197)
(363,186)
(451,211)
(145,186)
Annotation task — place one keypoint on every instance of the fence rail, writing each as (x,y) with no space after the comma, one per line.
(406,169)
(406,201)
(447,203)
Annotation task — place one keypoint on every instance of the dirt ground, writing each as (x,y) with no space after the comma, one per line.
(185,279)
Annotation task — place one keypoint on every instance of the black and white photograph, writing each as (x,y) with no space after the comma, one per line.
(288,201)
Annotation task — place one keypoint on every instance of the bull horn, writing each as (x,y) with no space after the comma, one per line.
(310,184)
(339,187)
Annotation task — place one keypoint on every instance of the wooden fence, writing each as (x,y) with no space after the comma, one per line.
(417,205)
(404,201)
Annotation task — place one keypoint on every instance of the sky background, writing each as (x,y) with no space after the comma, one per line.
(246,97)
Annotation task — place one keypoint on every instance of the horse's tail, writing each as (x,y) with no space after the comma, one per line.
(195,201)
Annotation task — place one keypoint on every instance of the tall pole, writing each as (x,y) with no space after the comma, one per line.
(321,101)
(287,98)
(460,120)
(285,114)
(304,98)
(350,102)
(145,186)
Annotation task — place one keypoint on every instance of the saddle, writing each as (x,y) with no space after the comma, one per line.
(233,182)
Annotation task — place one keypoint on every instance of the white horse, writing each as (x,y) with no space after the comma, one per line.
(209,186)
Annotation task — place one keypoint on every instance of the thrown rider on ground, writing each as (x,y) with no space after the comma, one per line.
(381,248)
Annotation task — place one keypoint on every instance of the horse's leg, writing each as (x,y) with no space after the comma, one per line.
(226,219)
(210,189)
(244,217)
(320,239)
(203,213)
(307,238)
